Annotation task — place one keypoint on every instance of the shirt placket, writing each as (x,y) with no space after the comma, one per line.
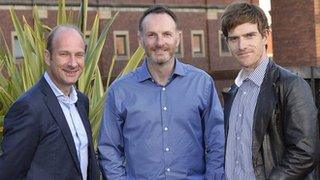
(239,126)
(165,129)
(80,132)
(78,141)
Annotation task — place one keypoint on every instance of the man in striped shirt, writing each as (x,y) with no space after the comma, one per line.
(270,115)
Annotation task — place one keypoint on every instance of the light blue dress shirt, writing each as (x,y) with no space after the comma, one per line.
(239,141)
(149,131)
(80,138)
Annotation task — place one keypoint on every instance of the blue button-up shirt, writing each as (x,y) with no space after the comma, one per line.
(149,131)
(70,111)
(239,140)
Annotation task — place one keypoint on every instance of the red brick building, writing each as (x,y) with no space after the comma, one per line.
(202,44)
(295,28)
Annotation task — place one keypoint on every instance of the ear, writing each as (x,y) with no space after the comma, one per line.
(140,39)
(179,36)
(47,57)
(266,35)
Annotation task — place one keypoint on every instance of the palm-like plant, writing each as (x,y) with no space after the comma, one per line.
(16,79)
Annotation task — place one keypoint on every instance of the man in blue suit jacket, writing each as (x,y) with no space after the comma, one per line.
(47,133)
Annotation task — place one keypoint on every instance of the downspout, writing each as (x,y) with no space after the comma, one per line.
(208,38)
(312,82)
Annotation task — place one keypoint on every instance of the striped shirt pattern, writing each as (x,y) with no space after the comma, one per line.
(239,140)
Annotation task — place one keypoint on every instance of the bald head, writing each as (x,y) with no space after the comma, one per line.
(55,32)
(65,56)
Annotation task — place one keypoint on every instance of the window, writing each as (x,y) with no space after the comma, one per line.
(179,50)
(223,46)
(87,37)
(121,44)
(197,43)
(16,48)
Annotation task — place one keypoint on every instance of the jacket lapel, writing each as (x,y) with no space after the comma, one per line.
(264,107)
(228,98)
(57,113)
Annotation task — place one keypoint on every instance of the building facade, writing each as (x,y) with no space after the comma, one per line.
(295,31)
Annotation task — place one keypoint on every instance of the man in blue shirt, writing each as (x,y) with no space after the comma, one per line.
(163,120)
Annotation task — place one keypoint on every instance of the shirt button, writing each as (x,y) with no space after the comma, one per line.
(168,169)
(238,137)
(240,115)
(165,128)
(244,93)
(167,149)
(165,108)
(237,162)
(163,89)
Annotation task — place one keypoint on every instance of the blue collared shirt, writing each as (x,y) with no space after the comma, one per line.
(239,140)
(67,104)
(149,131)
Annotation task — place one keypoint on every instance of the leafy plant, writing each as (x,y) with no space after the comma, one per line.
(17,78)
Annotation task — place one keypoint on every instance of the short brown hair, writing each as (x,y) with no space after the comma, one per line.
(239,13)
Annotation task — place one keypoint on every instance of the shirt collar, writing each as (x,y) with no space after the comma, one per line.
(71,99)
(144,74)
(256,76)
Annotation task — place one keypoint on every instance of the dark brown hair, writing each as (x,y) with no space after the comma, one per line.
(157,9)
(239,13)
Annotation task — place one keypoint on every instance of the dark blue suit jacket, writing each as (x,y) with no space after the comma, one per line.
(37,142)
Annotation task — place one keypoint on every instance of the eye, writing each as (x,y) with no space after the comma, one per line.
(151,35)
(64,54)
(80,55)
(232,38)
(167,34)
(250,35)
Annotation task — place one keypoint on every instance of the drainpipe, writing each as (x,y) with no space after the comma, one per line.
(208,39)
(312,82)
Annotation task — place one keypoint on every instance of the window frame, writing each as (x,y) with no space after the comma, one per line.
(202,43)
(221,53)
(180,47)
(127,42)
(14,36)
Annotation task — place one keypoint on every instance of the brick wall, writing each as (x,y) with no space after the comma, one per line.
(192,14)
(293,25)
(317,28)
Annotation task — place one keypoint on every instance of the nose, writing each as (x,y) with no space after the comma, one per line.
(160,41)
(72,61)
(241,44)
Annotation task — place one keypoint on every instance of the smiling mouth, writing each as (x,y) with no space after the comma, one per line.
(160,50)
(71,72)
(243,53)
(159,53)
